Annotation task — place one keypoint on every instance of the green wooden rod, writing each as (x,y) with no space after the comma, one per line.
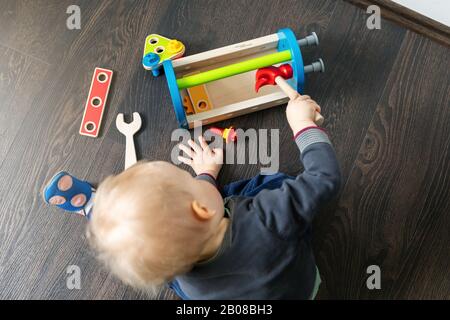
(233,69)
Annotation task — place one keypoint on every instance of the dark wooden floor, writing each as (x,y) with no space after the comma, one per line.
(385,96)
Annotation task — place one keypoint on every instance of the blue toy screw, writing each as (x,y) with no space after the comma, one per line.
(156,71)
(151,61)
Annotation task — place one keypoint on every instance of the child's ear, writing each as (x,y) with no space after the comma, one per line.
(201,211)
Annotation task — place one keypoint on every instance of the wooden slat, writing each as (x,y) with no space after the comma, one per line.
(393,211)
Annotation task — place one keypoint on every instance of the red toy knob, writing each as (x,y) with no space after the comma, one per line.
(265,76)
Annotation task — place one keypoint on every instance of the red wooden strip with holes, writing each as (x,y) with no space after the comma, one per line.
(95,104)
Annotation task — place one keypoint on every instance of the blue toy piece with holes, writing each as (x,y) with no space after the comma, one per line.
(77,187)
(288,41)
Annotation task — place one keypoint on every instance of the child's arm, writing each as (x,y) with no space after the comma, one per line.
(289,209)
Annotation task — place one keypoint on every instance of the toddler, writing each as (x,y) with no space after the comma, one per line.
(154,224)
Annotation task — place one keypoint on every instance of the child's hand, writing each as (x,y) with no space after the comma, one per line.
(202,159)
(301,112)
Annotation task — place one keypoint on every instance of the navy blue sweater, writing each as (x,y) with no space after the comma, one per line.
(267,251)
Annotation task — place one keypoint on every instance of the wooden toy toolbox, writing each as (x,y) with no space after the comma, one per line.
(228,76)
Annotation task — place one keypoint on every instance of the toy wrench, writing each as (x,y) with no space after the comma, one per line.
(128,130)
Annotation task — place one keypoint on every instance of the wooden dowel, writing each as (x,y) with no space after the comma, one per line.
(292,94)
(233,69)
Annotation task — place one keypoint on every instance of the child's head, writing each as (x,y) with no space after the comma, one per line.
(153,221)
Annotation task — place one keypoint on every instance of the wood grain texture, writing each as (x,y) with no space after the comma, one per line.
(358,62)
(409,19)
(393,211)
(20,78)
(37,28)
(371,85)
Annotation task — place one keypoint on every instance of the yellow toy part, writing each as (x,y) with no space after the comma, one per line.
(187,104)
(200,98)
(158,49)
(175,47)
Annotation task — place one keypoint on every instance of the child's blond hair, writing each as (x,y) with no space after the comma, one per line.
(143,227)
